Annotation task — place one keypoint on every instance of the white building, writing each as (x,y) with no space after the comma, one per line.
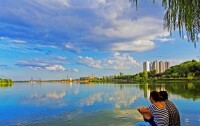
(146,66)
(160,67)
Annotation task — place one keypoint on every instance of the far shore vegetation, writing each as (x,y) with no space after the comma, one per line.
(5,82)
(186,71)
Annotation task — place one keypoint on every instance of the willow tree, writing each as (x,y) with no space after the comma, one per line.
(182,15)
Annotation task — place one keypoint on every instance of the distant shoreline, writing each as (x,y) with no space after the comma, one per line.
(115,81)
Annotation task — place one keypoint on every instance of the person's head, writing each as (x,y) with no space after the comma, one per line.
(155,96)
(164,95)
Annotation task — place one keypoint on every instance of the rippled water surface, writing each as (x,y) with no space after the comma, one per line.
(61,104)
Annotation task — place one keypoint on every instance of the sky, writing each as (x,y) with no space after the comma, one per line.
(58,39)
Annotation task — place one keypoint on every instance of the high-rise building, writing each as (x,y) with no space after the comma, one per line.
(160,67)
(150,66)
(155,66)
(146,66)
(167,65)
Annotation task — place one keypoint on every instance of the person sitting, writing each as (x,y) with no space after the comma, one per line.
(174,117)
(156,114)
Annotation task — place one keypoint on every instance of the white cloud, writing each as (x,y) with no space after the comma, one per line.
(46,64)
(137,35)
(55,68)
(120,61)
(12,40)
(70,47)
(138,46)
(89,61)
(42,64)
(75,70)
(19,41)
(53,3)
(165,39)
(95,25)
(60,57)
(117,61)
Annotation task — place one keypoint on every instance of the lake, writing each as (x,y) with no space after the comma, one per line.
(73,104)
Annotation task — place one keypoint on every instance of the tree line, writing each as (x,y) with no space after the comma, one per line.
(186,70)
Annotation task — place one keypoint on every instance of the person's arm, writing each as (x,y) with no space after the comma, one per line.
(143,109)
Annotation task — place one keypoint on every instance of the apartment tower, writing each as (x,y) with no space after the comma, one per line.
(160,67)
(146,66)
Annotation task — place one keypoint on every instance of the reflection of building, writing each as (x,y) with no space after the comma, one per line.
(160,67)
(146,90)
(152,87)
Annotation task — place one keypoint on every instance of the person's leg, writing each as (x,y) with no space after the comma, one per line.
(142,124)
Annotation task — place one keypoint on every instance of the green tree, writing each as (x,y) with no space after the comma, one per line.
(188,69)
(137,77)
(183,15)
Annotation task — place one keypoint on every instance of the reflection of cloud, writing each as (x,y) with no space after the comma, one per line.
(56,95)
(49,98)
(187,120)
(76,90)
(119,98)
(122,99)
(97,97)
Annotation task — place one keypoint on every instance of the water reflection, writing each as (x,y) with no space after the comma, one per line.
(5,86)
(124,117)
(120,99)
(186,90)
(124,97)
(90,104)
(54,98)
(56,95)
(97,97)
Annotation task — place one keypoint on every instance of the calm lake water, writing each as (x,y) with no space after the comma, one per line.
(61,104)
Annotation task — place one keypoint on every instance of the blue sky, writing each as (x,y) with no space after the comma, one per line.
(53,39)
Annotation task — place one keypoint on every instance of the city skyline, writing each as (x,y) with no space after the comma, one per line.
(53,39)
(159,66)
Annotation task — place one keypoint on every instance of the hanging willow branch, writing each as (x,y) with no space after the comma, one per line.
(183,15)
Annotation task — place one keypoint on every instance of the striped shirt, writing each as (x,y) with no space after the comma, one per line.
(174,117)
(161,116)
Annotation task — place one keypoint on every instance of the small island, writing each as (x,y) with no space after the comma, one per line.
(5,82)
